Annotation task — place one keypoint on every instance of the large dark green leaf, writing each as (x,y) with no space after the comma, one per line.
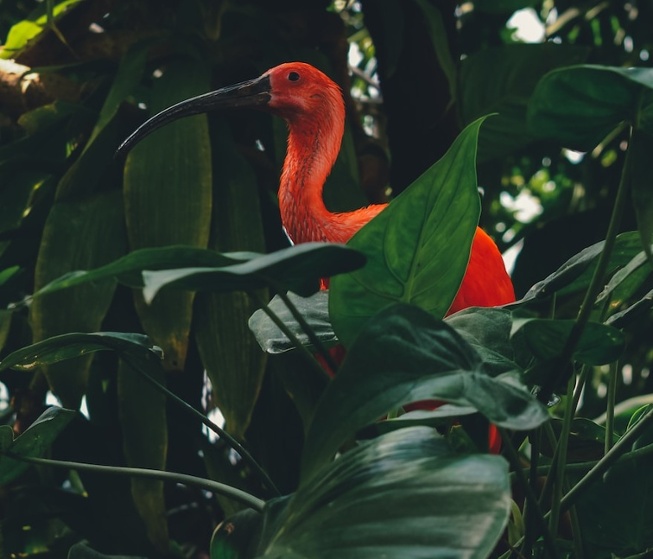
(501,80)
(599,344)
(402,495)
(297,268)
(142,413)
(83,233)
(404,355)
(34,441)
(315,311)
(578,106)
(168,197)
(232,359)
(127,269)
(418,247)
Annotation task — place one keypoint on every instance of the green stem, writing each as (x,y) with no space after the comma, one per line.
(513,458)
(597,281)
(317,343)
(233,443)
(561,462)
(209,485)
(609,412)
(286,332)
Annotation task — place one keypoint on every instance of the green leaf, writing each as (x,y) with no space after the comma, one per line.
(128,269)
(33,442)
(599,344)
(501,80)
(404,355)
(69,346)
(315,311)
(418,247)
(232,359)
(575,274)
(82,551)
(168,197)
(297,268)
(142,413)
(579,105)
(98,220)
(488,331)
(402,495)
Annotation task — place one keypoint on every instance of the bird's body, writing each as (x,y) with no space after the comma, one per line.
(313,108)
(315,134)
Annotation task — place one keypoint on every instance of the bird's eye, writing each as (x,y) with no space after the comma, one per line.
(293,76)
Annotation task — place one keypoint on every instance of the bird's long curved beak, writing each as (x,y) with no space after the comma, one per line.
(251,93)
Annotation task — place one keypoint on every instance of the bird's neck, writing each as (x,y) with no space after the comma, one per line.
(313,146)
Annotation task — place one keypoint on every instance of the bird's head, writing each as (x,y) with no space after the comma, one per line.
(292,91)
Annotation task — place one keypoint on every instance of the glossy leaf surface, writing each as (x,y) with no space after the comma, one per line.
(418,247)
(314,309)
(404,355)
(437,503)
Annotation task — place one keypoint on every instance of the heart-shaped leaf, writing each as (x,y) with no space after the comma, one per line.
(418,247)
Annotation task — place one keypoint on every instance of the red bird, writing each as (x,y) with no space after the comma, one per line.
(313,107)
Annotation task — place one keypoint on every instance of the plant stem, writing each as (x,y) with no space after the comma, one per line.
(233,443)
(209,485)
(609,412)
(317,343)
(597,281)
(561,454)
(513,458)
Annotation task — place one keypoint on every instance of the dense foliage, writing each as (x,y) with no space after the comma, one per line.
(146,300)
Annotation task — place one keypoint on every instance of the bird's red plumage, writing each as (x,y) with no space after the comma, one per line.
(313,107)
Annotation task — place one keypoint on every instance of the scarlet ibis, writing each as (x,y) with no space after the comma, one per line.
(312,106)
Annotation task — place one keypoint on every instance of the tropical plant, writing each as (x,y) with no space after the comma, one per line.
(166,353)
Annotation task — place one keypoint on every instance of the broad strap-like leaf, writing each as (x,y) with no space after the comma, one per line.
(168,197)
(403,355)
(418,247)
(128,269)
(297,268)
